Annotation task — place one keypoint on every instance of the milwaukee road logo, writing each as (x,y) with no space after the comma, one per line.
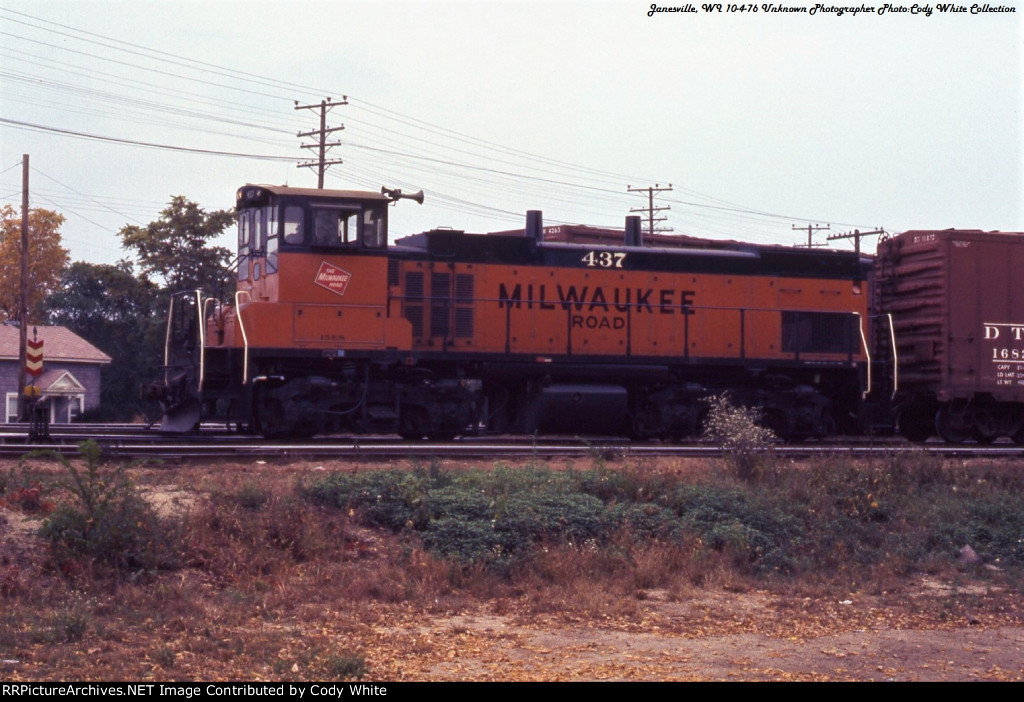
(332,278)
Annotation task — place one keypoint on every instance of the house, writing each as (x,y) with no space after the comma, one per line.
(70,381)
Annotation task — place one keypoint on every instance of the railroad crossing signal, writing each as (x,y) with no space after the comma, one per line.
(34,357)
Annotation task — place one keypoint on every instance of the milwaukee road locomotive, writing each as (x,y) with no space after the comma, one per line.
(335,329)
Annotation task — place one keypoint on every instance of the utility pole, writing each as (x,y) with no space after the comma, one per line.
(856,235)
(811,228)
(23,306)
(651,209)
(321,144)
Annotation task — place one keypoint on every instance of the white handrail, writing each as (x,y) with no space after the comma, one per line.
(245,337)
(895,360)
(867,352)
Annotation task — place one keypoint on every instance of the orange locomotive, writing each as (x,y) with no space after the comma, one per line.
(333,328)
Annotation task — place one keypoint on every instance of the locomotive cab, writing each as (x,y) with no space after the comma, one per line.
(277,221)
(311,281)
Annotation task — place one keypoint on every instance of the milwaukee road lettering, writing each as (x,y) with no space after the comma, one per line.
(597,306)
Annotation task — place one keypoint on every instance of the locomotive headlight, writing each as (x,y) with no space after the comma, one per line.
(857,288)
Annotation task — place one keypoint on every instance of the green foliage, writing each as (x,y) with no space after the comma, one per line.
(105,520)
(758,533)
(120,314)
(571,517)
(991,524)
(837,514)
(176,248)
(123,314)
(466,541)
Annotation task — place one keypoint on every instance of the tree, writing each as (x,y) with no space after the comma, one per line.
(175,249)
(47,258)
(120,314)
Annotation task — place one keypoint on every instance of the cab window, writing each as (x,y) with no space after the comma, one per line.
(374,235)
(244,228)
(271,233)
(293,229)
(334,227)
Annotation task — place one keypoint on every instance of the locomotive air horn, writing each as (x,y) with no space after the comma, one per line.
(396,194)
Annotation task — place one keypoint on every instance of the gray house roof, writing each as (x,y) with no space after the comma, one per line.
(59,344)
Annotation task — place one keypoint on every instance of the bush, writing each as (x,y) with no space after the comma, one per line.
(392,498)
(758,534)
(737,431)
(106,520)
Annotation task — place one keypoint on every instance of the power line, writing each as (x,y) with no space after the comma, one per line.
(130,142)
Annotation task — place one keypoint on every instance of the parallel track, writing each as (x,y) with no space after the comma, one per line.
(217,442)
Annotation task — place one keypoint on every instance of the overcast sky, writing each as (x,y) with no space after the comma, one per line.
(759,121)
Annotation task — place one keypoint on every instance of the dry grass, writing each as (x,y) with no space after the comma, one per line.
(269,584)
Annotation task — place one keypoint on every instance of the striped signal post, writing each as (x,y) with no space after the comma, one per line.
(34,357)
(40,427)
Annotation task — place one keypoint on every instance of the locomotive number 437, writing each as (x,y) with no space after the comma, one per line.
(604,259)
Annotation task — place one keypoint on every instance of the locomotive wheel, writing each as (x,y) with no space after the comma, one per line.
(1018,436)
(949,428)
(414,423)
(775,421)
(914,424)
(982,438)
(647,422)
(826,424)
(269,418)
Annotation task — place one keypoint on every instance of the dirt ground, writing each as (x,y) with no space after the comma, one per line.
(930,628)
(595,650)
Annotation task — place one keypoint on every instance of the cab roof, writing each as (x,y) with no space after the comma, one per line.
(283,190)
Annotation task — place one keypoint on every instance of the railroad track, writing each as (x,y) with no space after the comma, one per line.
(218,442)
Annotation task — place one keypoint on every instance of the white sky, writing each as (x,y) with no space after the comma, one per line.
(760,121)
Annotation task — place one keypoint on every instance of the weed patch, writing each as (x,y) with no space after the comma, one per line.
(101,518)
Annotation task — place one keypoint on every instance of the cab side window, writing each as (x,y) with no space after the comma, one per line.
(334,227)
(244,226)
(293,228)
(374,236)
(270,214)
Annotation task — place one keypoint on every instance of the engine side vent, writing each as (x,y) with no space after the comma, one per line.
(412,306)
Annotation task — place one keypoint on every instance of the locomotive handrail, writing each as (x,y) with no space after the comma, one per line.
(202,338)
(245,337)
(867,352)
(202,335)
(895,353)
(167,340)
(895,358)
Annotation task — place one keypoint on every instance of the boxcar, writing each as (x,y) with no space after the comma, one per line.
(957,305)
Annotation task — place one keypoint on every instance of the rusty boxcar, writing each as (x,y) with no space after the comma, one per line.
(956,300)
